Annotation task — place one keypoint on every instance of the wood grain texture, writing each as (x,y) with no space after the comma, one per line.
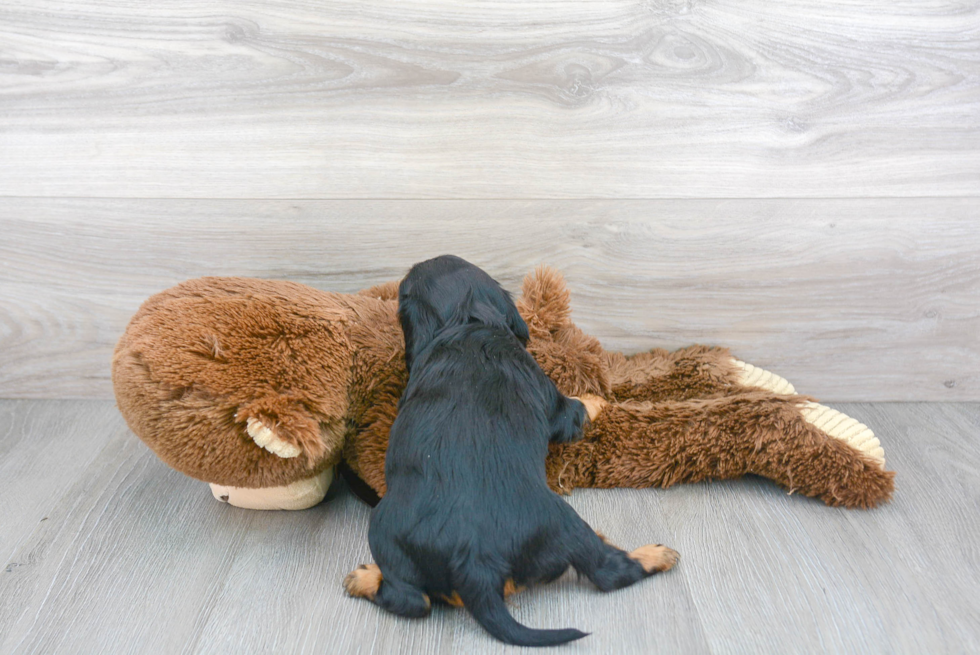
(490,99)
(42,453)
(893,580)
(136,558)
(848,299)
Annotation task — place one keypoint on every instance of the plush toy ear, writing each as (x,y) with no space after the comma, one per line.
(419,325)
(545,303)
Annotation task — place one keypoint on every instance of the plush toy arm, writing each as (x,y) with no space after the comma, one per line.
(383,291)
(632,444)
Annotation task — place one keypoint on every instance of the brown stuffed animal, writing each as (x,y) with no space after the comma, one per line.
(261,387)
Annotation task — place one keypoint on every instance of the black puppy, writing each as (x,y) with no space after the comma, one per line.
(468,513)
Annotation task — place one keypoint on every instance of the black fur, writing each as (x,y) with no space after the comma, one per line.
(468,505)
(432,293)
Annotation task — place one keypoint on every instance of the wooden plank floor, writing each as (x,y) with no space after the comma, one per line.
(105,549)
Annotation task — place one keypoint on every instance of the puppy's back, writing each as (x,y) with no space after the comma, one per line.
(475,398)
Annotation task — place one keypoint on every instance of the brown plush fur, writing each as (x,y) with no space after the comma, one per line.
(325,372)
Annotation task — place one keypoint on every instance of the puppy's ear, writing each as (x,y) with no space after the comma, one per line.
(516,323)
(419,325)
(497,310)
(468,308)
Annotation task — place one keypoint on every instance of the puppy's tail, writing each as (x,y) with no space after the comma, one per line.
(486,604)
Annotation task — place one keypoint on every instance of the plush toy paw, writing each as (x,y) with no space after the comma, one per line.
(264,436)
(655,558)
(840,426)
(364,581)
(753,376)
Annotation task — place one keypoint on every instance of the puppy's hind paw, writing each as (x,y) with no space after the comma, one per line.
(655,558)
(364,581)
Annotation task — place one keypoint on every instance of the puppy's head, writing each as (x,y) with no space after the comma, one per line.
(446,291)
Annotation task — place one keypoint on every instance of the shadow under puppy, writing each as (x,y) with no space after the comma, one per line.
(468,515)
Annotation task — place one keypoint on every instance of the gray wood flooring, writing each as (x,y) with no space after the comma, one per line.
(106,550)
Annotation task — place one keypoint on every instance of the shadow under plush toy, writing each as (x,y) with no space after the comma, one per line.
(260,388)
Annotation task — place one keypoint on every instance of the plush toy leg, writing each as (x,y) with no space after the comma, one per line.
(844,428)
(694,372)
(753,376)
(298,495)
(721,438)
(836,424)
(700,372)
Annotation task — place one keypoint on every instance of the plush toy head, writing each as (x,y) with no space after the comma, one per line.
(246,383)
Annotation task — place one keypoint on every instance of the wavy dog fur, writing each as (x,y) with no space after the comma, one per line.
(468,512)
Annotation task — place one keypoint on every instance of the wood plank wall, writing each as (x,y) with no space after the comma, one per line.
(797,180)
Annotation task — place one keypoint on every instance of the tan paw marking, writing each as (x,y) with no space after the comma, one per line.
(753,376)
(266,438)
(841,426)
(604,539)
(453,600)
(655,557)
(593,404)
(364,581)
(511,588)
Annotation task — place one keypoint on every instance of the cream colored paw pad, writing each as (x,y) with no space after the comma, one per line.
(843,427)
(753,376)
(264,436)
